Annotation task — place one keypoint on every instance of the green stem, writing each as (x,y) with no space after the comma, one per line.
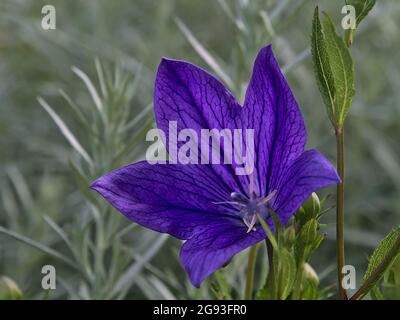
(251,264)
(271,269)
(366,286)
(340,212)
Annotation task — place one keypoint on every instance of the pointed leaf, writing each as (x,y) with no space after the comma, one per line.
(39,246)
(363,7)
(203,53)
(381,259)
(65,131)
(342,70)
(90,86)
(322,66)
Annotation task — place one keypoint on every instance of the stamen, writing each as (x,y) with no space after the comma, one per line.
(249,207)
(267,198)
(238,197)
(252,223)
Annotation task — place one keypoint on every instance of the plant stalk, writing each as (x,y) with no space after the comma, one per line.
(251,265)
(271,269)
(340,212)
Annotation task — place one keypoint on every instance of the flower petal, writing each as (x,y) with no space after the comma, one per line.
(191,96)
(166,198)
(309,172)
(213,246)
(271,110)
(196,100)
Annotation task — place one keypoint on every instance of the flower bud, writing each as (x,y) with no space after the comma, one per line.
(310,274)
(9,290)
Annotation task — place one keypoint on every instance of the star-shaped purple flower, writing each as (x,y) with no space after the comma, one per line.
(210,206)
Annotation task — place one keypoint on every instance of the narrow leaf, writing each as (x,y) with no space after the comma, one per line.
(38,246)
(89,85)
(203,53)
(127,279)
(65,131)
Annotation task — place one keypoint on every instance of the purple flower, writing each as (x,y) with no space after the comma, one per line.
(210,206)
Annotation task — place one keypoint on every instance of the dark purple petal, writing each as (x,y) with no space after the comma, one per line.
(213,246)
(195,100)
(271,110)
(166,198)
(309,172)
(191,96)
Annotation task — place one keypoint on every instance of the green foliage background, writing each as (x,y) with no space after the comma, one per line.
(129,38)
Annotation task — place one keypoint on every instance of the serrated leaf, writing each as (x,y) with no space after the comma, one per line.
(286,273)
(342,69)
(383,256)
(381,251)
(322,66)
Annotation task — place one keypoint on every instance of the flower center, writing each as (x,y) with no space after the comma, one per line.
(250,207)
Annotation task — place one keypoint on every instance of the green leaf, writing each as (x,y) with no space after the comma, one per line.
(307,241)
(204,54)
(65,131)
(308,233)
(362,8)
(91,88)
(322,66)
(383,256)
(376,294)
(38,245)
(381,251)
(342,70)
(286,273)
(310,290)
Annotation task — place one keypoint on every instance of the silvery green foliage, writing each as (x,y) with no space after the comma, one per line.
(102,263)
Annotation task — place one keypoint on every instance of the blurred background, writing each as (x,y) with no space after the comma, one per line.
(94,75)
